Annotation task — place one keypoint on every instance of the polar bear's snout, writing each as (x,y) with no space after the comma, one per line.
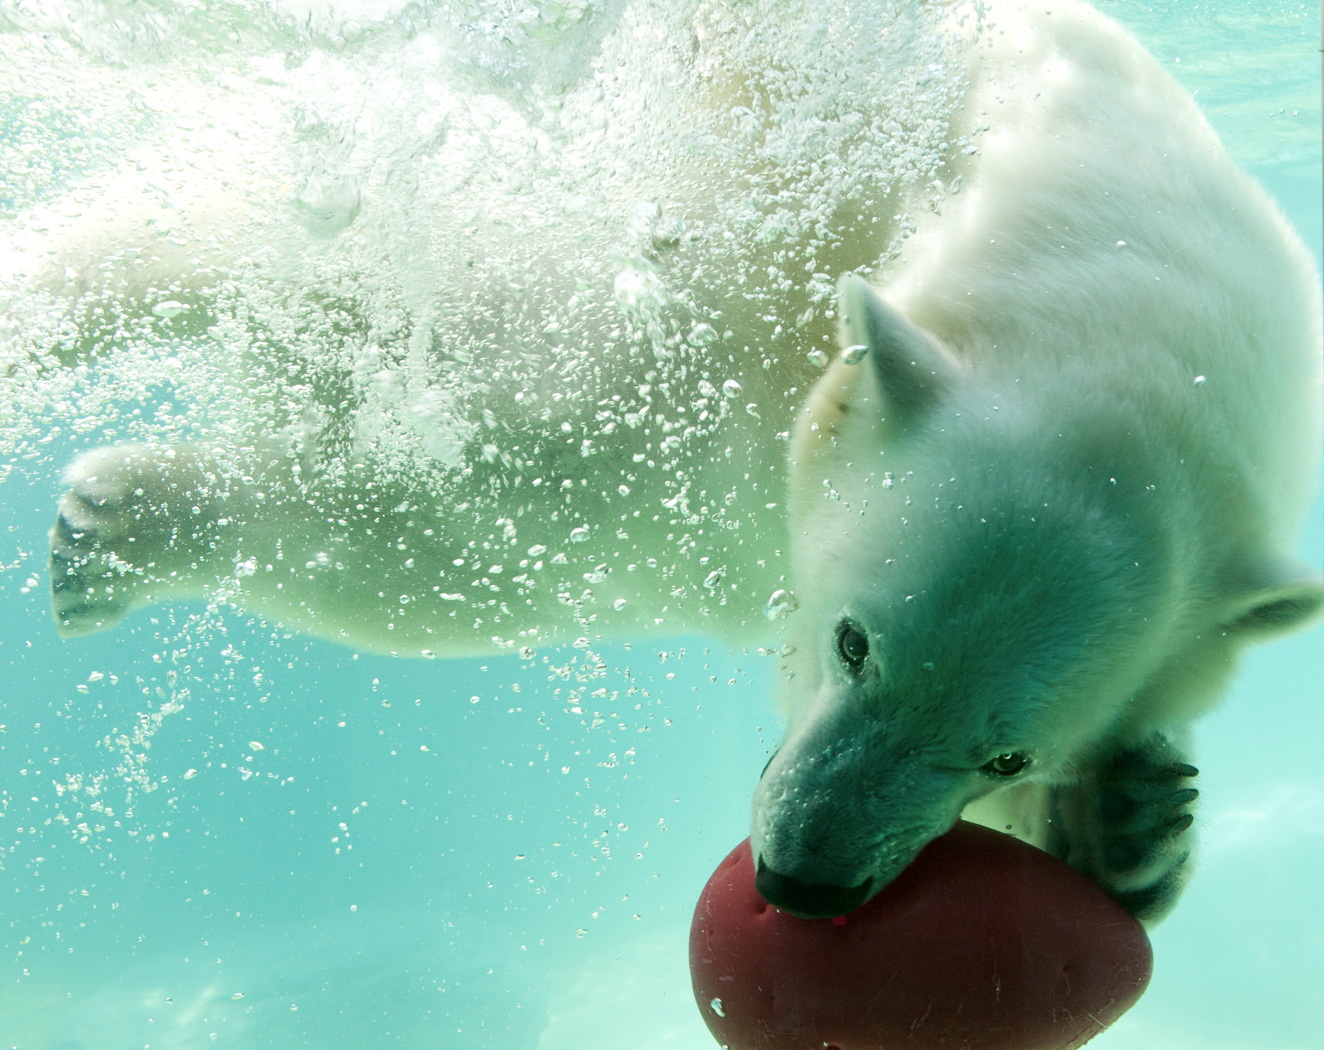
(809,900)
(838,815)
(818,855)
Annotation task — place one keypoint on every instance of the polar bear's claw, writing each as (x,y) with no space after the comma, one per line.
(89,584)
(1128,826)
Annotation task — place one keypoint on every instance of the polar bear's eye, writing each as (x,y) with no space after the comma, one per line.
(1007,765)
(852,645)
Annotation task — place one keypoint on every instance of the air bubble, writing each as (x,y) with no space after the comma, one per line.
(328,205)
(853,355)
(639,289)
(779,604)
(702,335)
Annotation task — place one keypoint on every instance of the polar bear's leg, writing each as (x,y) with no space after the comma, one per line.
(1128,825)
(90,585)
(135,522)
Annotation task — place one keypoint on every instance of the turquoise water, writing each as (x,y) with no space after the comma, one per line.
(216,834)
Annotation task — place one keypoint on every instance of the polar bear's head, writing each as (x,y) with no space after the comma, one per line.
(979,606)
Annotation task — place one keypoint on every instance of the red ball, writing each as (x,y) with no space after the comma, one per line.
(983,943)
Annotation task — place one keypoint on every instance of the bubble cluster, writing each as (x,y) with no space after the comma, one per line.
(482,251)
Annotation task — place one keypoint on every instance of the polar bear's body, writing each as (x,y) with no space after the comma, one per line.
(1034,509)
(531,416)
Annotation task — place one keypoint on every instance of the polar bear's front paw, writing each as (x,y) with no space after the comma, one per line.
(1128,826)
(92,583)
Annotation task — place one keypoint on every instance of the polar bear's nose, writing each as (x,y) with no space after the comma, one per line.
(808,900)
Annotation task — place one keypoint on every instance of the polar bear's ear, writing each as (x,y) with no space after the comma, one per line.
(910,369)
(1284,597)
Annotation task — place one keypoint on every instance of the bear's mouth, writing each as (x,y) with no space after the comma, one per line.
(809,900)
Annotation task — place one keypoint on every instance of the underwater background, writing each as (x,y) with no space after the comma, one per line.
(214,833)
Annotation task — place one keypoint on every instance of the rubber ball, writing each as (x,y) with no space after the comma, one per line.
(983,943)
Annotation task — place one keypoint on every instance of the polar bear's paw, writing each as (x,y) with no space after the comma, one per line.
(91,583)
(1128,827)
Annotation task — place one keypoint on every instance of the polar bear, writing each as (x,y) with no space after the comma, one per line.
(1066,477)
(1026,518)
